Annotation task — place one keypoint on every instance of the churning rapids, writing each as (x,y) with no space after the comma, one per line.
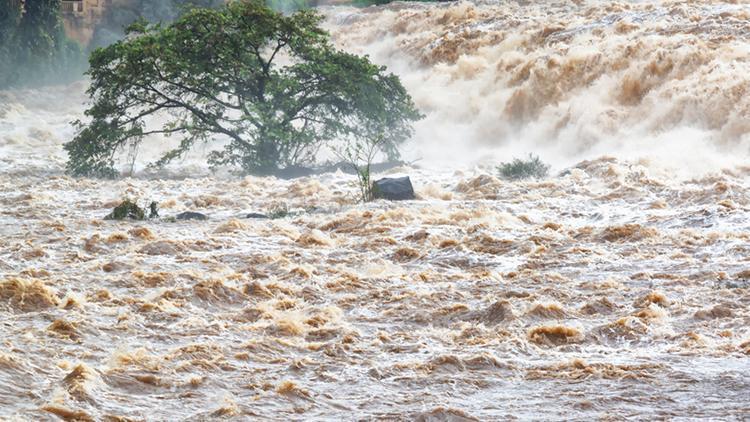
(616,288)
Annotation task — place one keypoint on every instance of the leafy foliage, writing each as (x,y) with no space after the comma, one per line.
(518,169)
(33,45)
(127,210)
(360,154)
(271,85)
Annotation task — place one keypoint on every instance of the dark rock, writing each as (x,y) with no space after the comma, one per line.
(190,215)
(393,189)
(256,215)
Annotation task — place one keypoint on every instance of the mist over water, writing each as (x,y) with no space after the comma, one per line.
(616,289)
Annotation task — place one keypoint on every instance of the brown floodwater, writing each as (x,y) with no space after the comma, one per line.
(617,288)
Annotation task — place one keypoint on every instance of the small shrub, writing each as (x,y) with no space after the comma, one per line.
(519,169)
(360,154)
(127,209)
(279,210)
(282,210)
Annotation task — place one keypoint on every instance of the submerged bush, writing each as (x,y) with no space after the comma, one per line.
(127,210)
(278,211)
(519,169)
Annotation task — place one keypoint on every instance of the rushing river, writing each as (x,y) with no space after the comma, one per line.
(617,288)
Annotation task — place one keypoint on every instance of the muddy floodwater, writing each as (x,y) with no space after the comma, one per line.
(600,293)
(616,288)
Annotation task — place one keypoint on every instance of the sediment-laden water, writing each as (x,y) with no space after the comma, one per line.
(616,288)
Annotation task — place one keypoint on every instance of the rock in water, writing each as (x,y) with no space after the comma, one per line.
(393,189)
(256,215)
(190,215)
(127,209)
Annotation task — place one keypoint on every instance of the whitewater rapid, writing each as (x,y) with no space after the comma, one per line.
(617,287)
(661,81)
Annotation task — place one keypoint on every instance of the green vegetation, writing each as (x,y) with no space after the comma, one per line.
(130,210)
(34,49)
(272,86)
(116,19)
(127,210)
(33,46)
(280,210)
(360,155)
(518,169)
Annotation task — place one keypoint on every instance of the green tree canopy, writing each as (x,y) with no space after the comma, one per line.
(272,86)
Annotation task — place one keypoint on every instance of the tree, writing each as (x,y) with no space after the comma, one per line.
(272,86)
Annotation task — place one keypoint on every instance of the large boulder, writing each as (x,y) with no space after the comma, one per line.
(393,189)
(191,215)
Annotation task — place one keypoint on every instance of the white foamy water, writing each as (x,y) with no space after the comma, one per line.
(569,80)
(618,288)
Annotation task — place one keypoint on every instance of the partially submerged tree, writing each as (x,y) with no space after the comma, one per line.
(272,86)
